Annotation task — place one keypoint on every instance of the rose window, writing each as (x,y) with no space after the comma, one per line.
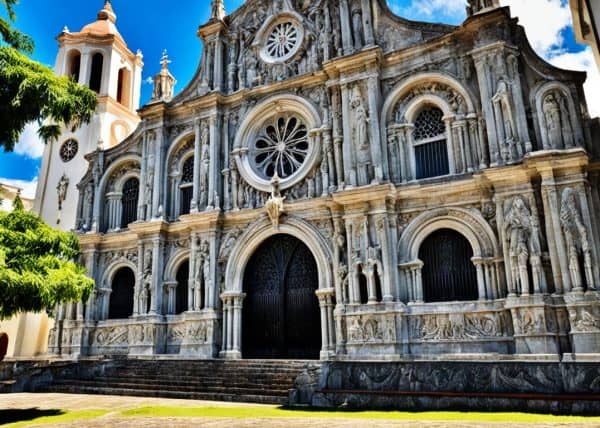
(280,146)
(282,40)
(68,150)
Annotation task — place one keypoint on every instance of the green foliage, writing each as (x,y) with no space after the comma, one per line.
(36,265)
(18,204)
(13,37)
(30,91)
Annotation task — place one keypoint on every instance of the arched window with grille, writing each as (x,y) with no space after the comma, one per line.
(430,144)
(186,186)
(448,271)
(131,191)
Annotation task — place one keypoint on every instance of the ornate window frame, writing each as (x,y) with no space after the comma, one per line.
(264,34)
(254,122)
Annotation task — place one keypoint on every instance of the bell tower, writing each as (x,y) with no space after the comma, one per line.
(97,57)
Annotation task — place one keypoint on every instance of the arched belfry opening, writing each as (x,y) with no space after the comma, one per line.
(448,271)
(280,317)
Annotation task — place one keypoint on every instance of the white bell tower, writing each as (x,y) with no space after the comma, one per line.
(97,57)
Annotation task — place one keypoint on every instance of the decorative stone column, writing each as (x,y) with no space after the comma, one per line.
(325,297)
(170,288)
(350,176)
(232,324)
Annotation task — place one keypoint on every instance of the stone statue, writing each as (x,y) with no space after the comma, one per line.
(274,205)
(577,239)
(360,136)
(146,291)
(357,26)
(522,234)
(61,189)
(553,122)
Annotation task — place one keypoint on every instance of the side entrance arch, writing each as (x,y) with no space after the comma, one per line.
(280,316)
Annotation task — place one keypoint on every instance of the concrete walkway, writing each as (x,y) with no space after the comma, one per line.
(118,403)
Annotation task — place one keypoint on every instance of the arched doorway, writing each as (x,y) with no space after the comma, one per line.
(121,298)
(281,317)
(181,292)
(448,272)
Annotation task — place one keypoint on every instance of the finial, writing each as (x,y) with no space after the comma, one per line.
(107,12)
(164,60)
(217,10)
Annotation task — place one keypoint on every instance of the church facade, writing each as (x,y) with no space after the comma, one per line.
(337,182)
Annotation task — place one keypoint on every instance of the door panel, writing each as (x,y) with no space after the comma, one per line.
(281,311)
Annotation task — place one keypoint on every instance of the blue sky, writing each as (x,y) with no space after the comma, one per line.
(154,25)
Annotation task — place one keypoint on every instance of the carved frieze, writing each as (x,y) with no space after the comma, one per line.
(474,326)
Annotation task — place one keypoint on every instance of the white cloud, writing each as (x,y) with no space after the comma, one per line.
(583,61)
(29,187)
(544,21)
(29,143)
(149,80)
(435,7)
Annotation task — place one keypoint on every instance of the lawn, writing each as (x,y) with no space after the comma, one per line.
(22,418)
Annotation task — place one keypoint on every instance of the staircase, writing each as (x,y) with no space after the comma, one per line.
(257,381)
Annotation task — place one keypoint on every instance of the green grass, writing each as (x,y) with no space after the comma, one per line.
(62,417)
(273,412)
(277,412)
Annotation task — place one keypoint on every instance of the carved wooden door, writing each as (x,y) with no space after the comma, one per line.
(281,311)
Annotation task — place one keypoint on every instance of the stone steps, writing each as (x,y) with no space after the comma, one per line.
(146,385)
(209,396)
(256,381)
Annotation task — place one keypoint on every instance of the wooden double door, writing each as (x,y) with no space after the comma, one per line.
(281,317)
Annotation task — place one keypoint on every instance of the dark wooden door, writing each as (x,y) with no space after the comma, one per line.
(281,311)
(448,272)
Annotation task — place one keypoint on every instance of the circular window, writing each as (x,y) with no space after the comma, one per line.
(68,150)
(280,146)
(282,41)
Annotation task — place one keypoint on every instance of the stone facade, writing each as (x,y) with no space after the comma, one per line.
(365,136)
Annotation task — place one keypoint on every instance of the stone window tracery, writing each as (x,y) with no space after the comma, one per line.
(430,147)
(69,150)
(187,186)
(282,40)
(281,147)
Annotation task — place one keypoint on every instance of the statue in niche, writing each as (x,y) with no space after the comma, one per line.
(146,291)
(558,121)
(505,122)
(360,135)
(522,233)
(553,125)
(343,278)
(274,205)
(577,239)
(61,189)
(202,275)
(357,25)
(149,180)
(567,128)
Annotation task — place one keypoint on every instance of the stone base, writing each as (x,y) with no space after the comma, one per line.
(584,317)
(492,385)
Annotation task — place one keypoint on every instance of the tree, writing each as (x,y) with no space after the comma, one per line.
(30,91)
(37,268)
